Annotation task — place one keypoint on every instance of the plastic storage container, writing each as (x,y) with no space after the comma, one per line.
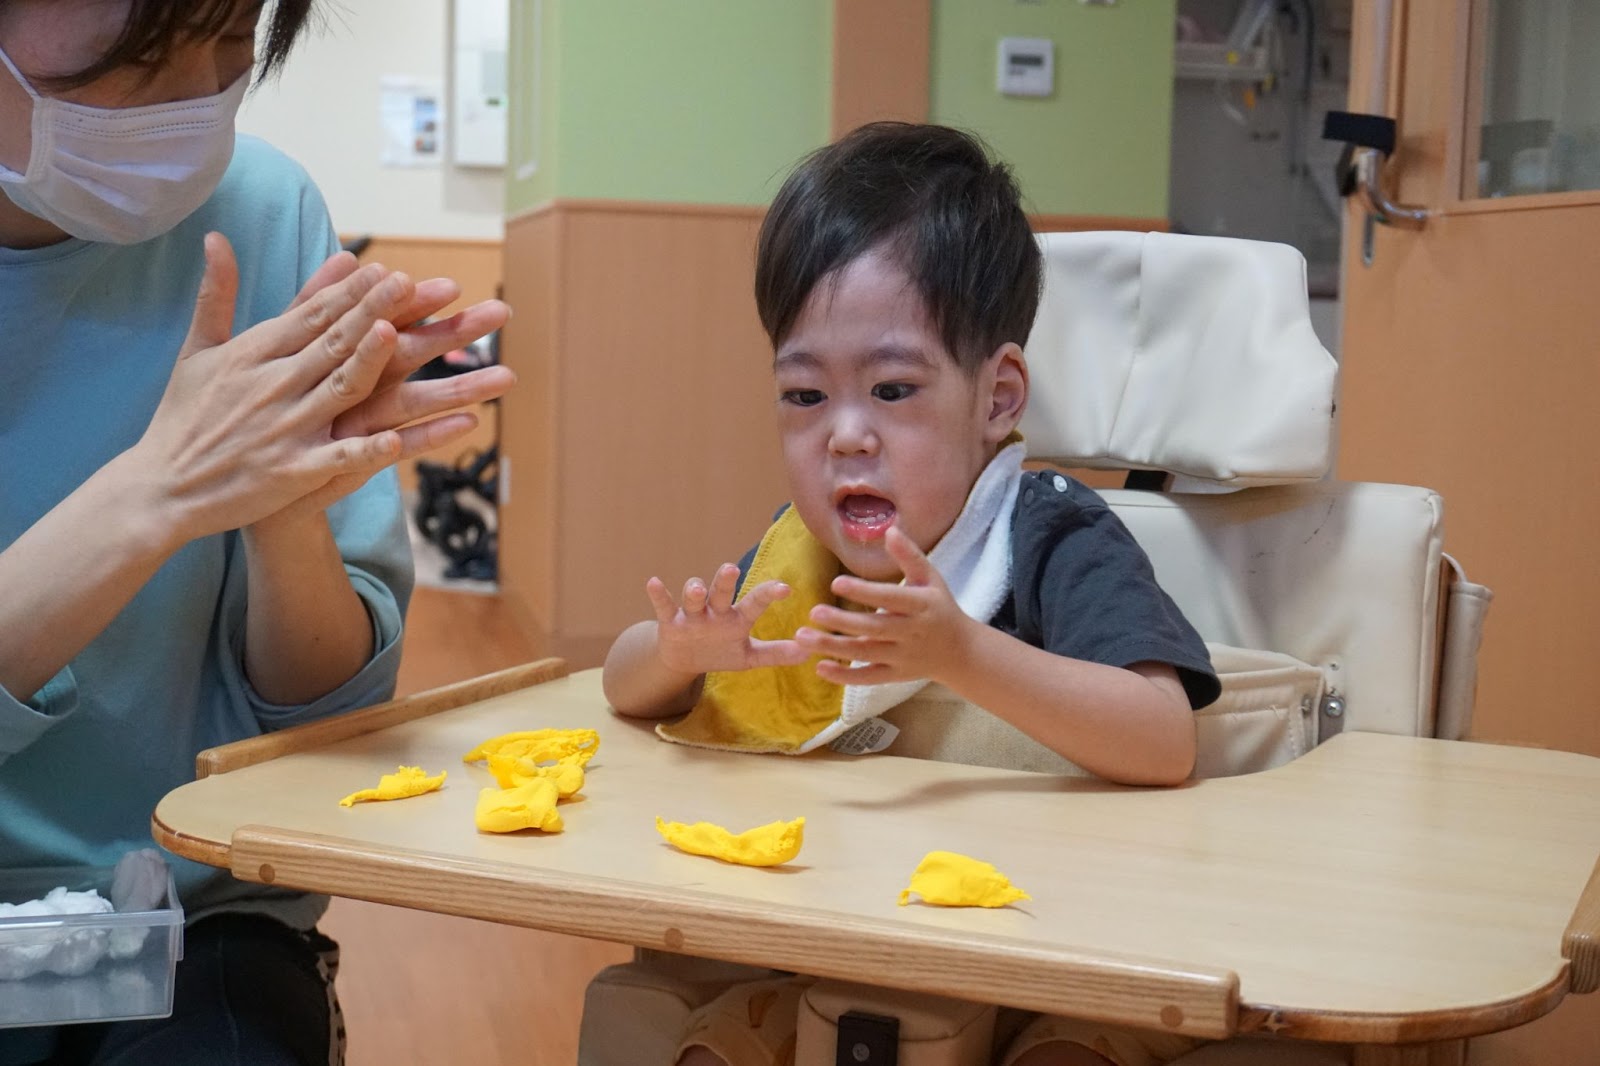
(121,964)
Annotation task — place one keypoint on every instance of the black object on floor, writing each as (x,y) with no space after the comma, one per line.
(460,531)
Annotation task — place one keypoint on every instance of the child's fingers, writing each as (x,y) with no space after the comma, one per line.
(723,582)
(694,596)
(777,653)
(898,599)
(912,562)
(850,623)
(845,674)
(758,599)
(835,646)
(666,608)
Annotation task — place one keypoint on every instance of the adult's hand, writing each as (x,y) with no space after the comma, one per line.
(245,426)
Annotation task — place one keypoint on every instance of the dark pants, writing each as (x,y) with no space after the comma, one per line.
(250,991)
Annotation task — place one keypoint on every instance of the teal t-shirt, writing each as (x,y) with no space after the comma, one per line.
(88,336)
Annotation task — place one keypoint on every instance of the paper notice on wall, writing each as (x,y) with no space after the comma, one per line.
(411,116)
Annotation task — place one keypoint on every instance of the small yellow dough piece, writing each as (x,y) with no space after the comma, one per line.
(766,845)
(540,745)
(950,880)
(405,782)
(510,772)
(529,806)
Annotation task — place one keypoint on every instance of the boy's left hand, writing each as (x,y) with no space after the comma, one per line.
(918,630)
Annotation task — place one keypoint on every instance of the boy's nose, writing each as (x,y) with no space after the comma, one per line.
(852,435)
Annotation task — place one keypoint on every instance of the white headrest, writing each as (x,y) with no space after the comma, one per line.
(1192,355)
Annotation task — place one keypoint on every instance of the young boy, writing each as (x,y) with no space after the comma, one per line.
(898,278)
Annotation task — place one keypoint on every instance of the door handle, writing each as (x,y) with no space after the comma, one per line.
(1369,141)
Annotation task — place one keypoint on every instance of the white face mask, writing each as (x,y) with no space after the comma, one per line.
(123,175)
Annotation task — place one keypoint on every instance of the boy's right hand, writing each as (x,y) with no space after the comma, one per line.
(708,631)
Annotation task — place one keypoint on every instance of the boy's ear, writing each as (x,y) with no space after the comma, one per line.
(1007,378)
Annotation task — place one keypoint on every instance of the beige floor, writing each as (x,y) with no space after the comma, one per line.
(436,990)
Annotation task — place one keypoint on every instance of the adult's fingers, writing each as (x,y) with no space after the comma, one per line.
(334,269)
(412,400)
(294,330)
(432,295)
(355,377)
(360,456)
(212,323)
(420,344)
(322,357)
(435,433)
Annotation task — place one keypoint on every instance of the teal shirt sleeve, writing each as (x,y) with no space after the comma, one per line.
(369,527)
(23,722)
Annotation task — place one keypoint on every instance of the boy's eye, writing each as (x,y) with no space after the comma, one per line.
(802,397)
(890,391)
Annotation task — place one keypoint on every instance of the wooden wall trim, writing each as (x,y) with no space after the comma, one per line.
(1054,223)
(1084,223)
(880,62)
(581,205)
(478,243)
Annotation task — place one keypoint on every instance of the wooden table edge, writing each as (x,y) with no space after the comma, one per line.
(311,735)
(1126,990)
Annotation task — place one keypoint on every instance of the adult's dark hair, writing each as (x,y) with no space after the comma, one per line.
(949,215)
(155,27)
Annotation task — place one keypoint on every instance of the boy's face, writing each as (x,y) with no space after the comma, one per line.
(879,425)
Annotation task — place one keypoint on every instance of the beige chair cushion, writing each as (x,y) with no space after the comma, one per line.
(1193,355)
(1265,717)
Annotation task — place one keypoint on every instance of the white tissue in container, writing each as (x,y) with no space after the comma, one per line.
(76,943)
(137,884)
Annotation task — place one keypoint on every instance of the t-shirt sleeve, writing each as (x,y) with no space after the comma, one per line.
(1086,590)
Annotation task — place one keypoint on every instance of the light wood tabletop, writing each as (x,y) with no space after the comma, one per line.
(1379,890)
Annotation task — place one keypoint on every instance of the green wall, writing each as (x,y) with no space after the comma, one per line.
(697,101)
(1099,146)
(712,101)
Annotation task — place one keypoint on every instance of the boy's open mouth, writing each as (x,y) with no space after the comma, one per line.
(865,517)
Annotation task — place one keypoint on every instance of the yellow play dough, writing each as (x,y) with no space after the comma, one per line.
(540,745)
(405,782)
(529,806)
(950,880)
(766,845)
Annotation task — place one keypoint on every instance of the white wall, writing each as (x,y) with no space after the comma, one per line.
(323,111)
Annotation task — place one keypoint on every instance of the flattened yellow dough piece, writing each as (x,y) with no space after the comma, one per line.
(511,771)
(766,845)
(529,806)
(405,782)
(950,880)
(539,745)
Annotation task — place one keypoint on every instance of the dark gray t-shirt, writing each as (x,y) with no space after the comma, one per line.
(1083,588)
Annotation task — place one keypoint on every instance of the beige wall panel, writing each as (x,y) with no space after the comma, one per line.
(530,422)
(669,460)
(880,61)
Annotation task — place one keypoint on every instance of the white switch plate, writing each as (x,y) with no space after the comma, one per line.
(1027,66)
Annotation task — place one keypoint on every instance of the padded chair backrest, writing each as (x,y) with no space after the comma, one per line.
(1191,355)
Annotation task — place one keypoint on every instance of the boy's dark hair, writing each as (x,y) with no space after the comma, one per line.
(950,216)
(154,27)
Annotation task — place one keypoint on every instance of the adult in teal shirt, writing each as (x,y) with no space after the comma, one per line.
(200,530)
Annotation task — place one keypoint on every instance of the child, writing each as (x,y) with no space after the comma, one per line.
(898,278)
